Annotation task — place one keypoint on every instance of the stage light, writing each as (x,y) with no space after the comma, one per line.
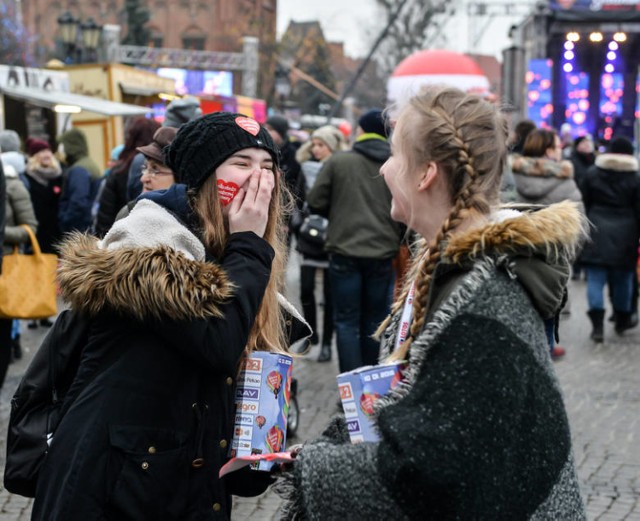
(568,46)
(569,55)
(620,37)
(596,37)
(573,36)
(613,46)
(611,56)
(567,67)
(608,67)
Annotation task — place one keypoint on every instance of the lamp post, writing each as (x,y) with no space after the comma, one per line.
(80,39)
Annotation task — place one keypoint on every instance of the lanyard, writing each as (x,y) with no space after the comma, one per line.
(405,320)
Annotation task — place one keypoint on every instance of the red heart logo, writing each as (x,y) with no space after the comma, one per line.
(226,191)
(248,124)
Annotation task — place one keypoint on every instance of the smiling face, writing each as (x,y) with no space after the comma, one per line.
(396,175)
(156,176)
(234,173)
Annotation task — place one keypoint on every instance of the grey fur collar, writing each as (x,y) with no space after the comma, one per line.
(617,162)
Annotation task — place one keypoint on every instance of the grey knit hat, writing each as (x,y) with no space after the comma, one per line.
(201,145)
(9,141)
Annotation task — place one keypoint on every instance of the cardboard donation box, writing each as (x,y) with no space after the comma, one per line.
(262,407)
(359,391)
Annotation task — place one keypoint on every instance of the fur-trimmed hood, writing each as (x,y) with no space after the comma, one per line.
(541,167)
(539,244)
(141,270)
(617,162)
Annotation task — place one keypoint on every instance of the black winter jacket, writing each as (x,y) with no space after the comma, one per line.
(152,420)
(3,202)
(611,195)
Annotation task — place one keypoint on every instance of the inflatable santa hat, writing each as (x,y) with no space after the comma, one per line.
(435,67)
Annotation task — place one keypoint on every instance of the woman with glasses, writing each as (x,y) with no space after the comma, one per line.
(155,174)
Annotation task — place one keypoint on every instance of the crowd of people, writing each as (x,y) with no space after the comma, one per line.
(172,260)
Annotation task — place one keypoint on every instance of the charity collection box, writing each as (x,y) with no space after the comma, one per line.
(262,406)
(359,391)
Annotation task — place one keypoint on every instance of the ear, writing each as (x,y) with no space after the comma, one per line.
(428,176)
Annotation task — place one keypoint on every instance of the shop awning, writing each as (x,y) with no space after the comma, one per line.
(137,90)
(48,99)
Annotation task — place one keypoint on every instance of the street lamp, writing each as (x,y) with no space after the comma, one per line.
(89,32)
(68,34)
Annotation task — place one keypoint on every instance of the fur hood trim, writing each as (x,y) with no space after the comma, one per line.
(149,282)
(541,167)
(617,162)
(554,232)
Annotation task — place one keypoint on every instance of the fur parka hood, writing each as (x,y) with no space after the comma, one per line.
(617,162)
(146,268)
(538,244)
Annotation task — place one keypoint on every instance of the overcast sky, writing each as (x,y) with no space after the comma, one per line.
(357,24)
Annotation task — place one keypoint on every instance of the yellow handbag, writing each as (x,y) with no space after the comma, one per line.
(28,283)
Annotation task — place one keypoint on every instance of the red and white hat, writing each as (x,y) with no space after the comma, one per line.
(435,67)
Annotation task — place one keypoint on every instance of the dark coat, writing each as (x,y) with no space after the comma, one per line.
(112,199)
(78,193)
(477,428)
(152,421)
(611,192)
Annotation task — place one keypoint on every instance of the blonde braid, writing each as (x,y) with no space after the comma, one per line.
(466,198)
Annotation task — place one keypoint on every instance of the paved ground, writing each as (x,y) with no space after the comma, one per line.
(602,393)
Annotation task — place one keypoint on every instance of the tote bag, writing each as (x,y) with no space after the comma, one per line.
(27,283)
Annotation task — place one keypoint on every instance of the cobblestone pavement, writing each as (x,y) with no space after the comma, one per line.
(602,394)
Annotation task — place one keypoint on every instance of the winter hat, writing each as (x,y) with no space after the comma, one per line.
(331,136)
(201,145)
(162,137)
(279,124)
(35,145)
(181,111)
(373,122)
(621,145)
(15,160)
(9,141)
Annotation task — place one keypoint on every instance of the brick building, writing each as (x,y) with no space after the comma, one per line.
(211,25)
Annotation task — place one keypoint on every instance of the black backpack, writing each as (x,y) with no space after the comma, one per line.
(39,403)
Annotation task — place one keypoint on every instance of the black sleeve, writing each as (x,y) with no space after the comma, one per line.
(218,343)
(110,204)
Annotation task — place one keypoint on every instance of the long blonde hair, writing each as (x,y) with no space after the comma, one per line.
(268,332)
(466,137)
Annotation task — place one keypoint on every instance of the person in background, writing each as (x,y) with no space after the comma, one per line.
(278,127)
(139,132)
(362,239)
(178,112)
(324,142)
(9,141)
(520,132)
(114,160)
(452,437)
(80,182)
(191,289)
(543,177)
(18,211)
(155,174)
(611,191)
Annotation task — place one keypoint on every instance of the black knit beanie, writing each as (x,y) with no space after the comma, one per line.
(201,145)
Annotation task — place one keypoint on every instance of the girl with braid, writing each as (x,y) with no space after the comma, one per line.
(477,428)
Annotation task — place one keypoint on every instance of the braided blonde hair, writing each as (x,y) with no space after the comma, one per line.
(466,137)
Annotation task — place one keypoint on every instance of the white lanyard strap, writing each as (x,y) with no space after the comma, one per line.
(405,319)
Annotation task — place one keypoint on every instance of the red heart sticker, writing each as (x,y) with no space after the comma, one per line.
(248,124)
(227,191)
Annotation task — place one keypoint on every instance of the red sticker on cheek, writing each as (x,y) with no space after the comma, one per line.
(227,191)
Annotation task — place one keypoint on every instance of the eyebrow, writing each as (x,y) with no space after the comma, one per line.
(240,155)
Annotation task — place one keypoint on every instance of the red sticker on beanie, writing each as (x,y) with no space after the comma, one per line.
(227,191)
(248,124)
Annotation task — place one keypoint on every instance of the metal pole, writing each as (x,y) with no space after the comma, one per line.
(365,62)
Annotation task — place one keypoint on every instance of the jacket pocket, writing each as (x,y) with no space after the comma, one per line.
(147,473)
